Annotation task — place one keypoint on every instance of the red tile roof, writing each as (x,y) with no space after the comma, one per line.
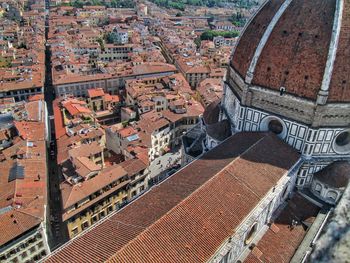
(193,212)
(25,196)
(60,129)
(36,97)
(281,240)
(14,223)
(335,175)
(98,92)
(133,166)
(30,130)
(249,41)
(299,71)
(127,131)
(72,194)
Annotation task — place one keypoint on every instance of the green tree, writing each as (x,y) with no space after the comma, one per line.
(210,34)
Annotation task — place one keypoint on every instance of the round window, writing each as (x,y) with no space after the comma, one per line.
(343,138)
(275,126)
(342,142)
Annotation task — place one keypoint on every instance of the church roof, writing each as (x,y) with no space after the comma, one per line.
(300,45)
(188,216)
(282,240)
(337,174)
(219,130)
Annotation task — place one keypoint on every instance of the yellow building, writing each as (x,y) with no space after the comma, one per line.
(86,202)
(98,100)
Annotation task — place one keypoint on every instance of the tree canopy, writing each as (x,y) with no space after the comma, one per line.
(210,34)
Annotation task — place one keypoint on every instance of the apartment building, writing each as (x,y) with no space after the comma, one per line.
(23,183)
(193,72)
(89,200)
(225,26)
(220,41)
(77,85)
(210,90)
(116,52)
(96,183)
(22,55)
(119,36)
(98,100)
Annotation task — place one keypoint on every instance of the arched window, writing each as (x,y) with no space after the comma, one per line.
(318,188)
(285,192)
(332,195)
(250,234)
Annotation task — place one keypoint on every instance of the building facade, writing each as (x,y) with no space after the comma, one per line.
(305,104)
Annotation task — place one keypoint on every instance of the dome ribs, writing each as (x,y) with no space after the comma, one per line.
(250,39)
(339,90)
(297,47)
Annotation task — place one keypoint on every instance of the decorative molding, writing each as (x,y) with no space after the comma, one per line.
(332,52)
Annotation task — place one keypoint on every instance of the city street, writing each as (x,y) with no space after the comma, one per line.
(163,164)
(56,235)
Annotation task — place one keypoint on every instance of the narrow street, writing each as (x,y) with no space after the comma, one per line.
(56,235)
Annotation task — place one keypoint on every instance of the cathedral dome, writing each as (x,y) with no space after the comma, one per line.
(298,47)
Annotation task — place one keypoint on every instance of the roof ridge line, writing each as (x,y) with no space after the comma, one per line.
(250,73)
(182,201)
(28,214)
(244,183)
(238,179)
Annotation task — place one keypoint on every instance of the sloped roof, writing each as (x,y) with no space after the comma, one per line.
(15,223)
(281,241)
(336,174)
(193,212)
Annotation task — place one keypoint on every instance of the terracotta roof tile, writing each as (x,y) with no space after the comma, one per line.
(60,129)
(196,200)
(279,246)
(250,39)
(335,174)
(98,92)
(303,27)
(14,223)
(71,194)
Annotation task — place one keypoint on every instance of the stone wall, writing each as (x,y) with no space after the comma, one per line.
(235,246)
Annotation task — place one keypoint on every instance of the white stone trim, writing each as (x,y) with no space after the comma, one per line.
(247,24)
(263,41)
(332,52)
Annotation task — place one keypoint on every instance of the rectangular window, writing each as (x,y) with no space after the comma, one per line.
(94,219)
(84,225)
(75,231)
(24,254)
(102,214)
(32,249)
